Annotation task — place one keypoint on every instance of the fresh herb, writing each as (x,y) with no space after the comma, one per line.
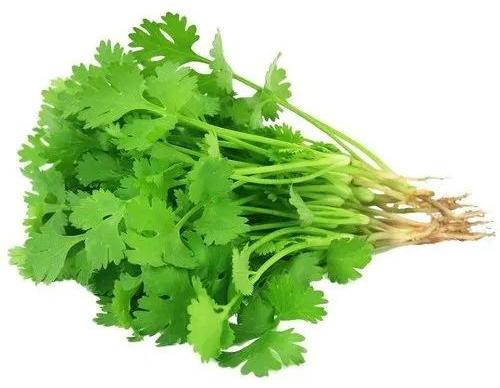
(195,215)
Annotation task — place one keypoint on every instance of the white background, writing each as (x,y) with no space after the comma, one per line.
(417,81)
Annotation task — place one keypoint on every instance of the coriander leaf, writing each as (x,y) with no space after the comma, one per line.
(107,53)
(67,144)
(175,88)
(98,167)
(153,236)
(241,111)
(272,351)
(166,153)
(292,301)
(345,256)
(153,48)
(141,134)
(100,214)
(33,152)
(220,69)
(212,144)
(110,92)
(172,86)
(47,252)
(306,268)
(164,308)
(241,271)
(221,222)
(209,179)
(152,177)
(271,247)
(209,330)
(214,268)
(275,86)
(78,267)
(254,319)
(118,310)
(183,204)
(46,199)
(102,281)
(153,315)
(282,132)
(18,257)
(306,216)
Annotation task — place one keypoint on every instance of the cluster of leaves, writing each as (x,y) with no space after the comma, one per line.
(143,192)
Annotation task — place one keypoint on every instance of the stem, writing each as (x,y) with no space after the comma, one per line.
(187,216)
(224,132)
(279,255)
(272,225)
(272,212)
(282,181)
(248,146)
(338,160)
(332,132)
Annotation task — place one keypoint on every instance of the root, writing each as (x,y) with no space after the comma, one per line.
(448,219)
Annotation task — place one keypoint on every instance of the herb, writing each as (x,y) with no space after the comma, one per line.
(193,214)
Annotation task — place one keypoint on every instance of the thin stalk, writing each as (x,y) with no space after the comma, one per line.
(272,225)
(280,181)
(248,146)
(187,216)
(223,132)
(330,131)
(294,166)
(288,250)
(272,212)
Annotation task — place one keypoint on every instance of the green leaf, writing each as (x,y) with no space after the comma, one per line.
(275,86)
(100,215)
(108,53)
(47,197)
(346,256)
(34,151)
(306,216)
(153,236)
(241,271)
(254,319)
(164,308)
(153,48)
(46,254)
(221,222)
(78,267)
(118,310)
(110,92)
(98,167)
(293,301)
(220,69)
(141,134)
(214,268)
(209,179)
(175,88)
(209,330)
(306,268)
(212,144)
(271,352)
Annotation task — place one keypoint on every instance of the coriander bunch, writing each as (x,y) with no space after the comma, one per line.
(194,214)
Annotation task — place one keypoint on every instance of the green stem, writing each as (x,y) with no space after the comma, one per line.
(272,212)
(272,225)
(248,146)
(223,132)
(281,181)
(187,216)
(279,255)
(335,160)
(330,131)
